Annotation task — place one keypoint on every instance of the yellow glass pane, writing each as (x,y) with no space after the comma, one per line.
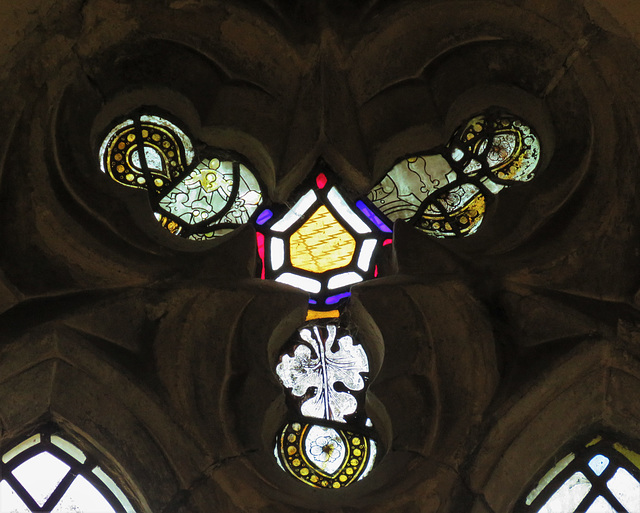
(316,314)
(632,456)
(321,244)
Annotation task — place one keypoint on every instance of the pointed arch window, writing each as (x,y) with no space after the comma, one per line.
(47,473)
(601,476)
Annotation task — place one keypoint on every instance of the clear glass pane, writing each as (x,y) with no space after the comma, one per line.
(12,453)
(568,496)
(338,202)
(600,505)
(301,282)
(626,489)
(9,500)
(41,475)
(343,279)
(70,449)
(548,477)
(82,497)
(115,489)
(598,463)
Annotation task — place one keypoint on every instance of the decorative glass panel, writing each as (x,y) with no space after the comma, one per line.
(195,199)
(443,192)
(325,457)
(52,475)
(319,363)
(322,244)
(599,477)
(325,374)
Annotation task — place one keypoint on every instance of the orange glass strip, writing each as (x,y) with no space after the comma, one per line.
(316,314)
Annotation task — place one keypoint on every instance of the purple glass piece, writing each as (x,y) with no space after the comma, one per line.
(332,300)
(376,220)
(264,216)
(313,302)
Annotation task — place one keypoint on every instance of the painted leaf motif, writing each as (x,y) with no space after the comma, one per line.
(314,366)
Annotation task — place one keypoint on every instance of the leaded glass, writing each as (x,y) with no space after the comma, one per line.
(194,198)
(322,359)
(599,477)
(322,244)
(325,457)
(47,473)
(444,192)
(325,373)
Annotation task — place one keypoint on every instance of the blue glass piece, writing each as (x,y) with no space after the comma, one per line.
(313,302)
(369,213)
(264,216)
(598,463)
(332,300)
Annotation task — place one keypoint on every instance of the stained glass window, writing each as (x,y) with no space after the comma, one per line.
(601,476)
(194,196)
(329,443)
(444,192)
(323,244)
(48,473)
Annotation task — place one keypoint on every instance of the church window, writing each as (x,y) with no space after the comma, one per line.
(48,473)
(600,477)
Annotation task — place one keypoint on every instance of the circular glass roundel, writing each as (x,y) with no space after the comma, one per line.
(324,457)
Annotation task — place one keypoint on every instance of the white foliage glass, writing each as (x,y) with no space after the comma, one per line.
(83,497)
(626,489)
(41,475)
(315,366)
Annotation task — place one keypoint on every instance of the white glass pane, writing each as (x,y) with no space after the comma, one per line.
(296,212)
(277,253)
(325,448)
(82,497)
(600,505)
(598,463)
(12,453)
(9,500)
(41,475)
(626,489)
(153,158)
(70,449)
(548,477)
(115,489)
(568,496)
(364,259)
(343,279)
(301,282)
(338,202)
(373,450)
(188,148)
